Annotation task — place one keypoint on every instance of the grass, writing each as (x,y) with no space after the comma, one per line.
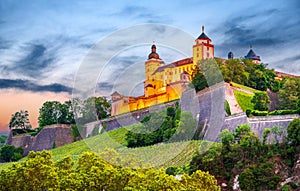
(244,87)
(177,154)
(244,100)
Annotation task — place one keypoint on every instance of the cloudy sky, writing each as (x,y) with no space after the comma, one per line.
(44,43)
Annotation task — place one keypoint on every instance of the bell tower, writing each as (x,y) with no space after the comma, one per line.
(203,48)
(151,65)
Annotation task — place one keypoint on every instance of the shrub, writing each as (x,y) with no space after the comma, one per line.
(248,112)
(260,101)
(227,107)
(10,153)
(259,177)
(283,112)
(293,131)
(259,113)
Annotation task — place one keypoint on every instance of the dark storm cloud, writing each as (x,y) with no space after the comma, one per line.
(35,62)
(263,29)
(33,87)
(4,44)
(106,86)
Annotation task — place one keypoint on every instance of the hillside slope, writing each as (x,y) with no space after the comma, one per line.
(160,155)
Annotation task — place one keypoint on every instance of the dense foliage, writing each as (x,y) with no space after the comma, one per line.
(54,112)
(167,125)
(248,73)
(39,172)
(2,139)
(293,131)
(206,73)
(289,95)
(20,120)
(261,101)
(91,109)
(242,153)
(10,153)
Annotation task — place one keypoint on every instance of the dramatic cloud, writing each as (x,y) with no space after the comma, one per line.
(4,44)
(33,87)
(35,62)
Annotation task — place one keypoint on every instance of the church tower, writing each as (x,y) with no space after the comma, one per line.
(153,63)
(252,56)
(203,48)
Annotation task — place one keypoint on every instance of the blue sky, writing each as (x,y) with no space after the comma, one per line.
(42,43)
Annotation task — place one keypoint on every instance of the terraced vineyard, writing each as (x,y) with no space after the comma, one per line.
(160,155)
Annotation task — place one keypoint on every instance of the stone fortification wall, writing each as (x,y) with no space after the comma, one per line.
(49,137)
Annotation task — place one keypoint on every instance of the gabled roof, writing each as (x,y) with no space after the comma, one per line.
(251,55)
(115,93)
(203,36)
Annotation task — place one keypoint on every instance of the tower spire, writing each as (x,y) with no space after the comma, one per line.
(202,28)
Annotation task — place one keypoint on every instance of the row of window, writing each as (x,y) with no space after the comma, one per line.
(180,70)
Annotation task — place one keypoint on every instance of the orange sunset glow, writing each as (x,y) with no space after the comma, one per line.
(15,100)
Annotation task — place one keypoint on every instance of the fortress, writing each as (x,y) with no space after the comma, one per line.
(166,82)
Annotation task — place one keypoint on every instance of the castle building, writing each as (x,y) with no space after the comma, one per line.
(164,82)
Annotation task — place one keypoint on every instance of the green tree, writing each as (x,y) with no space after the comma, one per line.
(200,181)
(240,131)
(293,131)
(266,133)
(54,112)
(49,113)
(2,139)
(259,177)
(92,172)
(289,94)
(198,79)
(261,101)
(277,132)
(20,120)
(10,153)
(102,107)
(211,71)
(250,145)
(93,108)
(67,114)
(227,138)
(234,71)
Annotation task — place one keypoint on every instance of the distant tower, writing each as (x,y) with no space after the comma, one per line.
(203,48)
(151,65)
(230,55)
(252,56)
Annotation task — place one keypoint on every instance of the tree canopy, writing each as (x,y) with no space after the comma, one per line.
(289,94)
(91,172)
(20,120)
(91,109)
(261,101)
(54,112)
